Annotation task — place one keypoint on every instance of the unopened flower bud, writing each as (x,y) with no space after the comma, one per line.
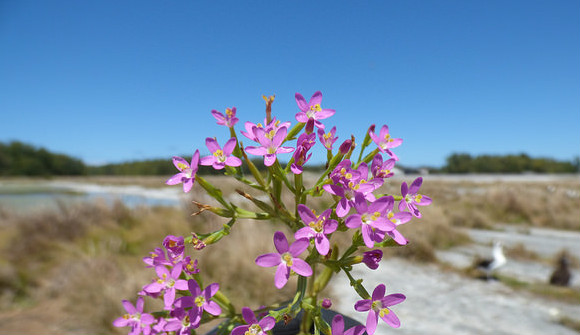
(309,126)
(326,303)
(372,258)
(345,147)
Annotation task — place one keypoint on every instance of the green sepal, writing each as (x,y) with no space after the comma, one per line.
(294,131)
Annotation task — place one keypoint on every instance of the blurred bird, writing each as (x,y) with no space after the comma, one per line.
(489,265)
(561,275)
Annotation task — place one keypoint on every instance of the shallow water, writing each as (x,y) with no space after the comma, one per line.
(29,196)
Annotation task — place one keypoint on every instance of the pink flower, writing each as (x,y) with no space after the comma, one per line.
(371,218)
(167,283)
(412,198)
(187,172)
(174,246)
(348,183)
(385,142)
(181,322)
(378,306)
(270,128)
(337,327)
(228,120)
(312,109)
(135,318)
(301,156)
(317,227)
(270,144)
(254,326)
(156,257)
(327,139)
(286,259)
(200,300)
(382,169)
(398,219)
(220,158)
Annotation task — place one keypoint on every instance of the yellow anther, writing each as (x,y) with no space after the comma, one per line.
(348,175)
(418,197)
(127,316)
(315,108)
(287,258)
(199,301)
(182,166)
(390,215)
(229,112)
(383,312)
(218,153)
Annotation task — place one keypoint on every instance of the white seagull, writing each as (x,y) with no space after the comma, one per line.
(496,261)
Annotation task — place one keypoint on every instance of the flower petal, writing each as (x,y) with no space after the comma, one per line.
(229,146)
(249,315)
(301,267)
(267,323)
(372,320)
(212,144)
(301,102)
(392,320)
(298,247)
(268,260)
(212,308)
(393,299)
(363,305)
(379,292)
(282,275)
(280,242)
(316,98)
(179,163)
(175,179)
(416,185)
(129,307)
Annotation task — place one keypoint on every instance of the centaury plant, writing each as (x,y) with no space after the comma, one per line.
(309,254)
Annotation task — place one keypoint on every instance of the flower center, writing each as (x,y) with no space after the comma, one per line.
(219,155)
(287,258)
(229,112)
(199,301)
(270,135)
(313,109)
(182,166)
(254,329)
(317,226)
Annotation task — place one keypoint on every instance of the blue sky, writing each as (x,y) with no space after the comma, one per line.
(112,81)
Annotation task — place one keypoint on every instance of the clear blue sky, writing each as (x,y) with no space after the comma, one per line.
(112,81)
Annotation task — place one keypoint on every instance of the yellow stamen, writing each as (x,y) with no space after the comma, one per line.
(199,301)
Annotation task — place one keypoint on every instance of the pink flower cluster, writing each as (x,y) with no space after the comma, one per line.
(359,206)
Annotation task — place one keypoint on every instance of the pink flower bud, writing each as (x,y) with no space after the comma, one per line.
(345,147)
(326,303)
(372,258)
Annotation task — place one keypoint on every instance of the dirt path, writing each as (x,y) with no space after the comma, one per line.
(447,303)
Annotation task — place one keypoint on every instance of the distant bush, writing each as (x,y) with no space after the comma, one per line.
(465,163)
(20,159)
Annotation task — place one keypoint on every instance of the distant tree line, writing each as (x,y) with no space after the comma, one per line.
(20,159)
(465,163)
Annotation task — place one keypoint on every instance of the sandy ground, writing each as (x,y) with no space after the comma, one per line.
(443,302)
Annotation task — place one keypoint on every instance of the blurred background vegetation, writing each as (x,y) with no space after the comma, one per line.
(21,159)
